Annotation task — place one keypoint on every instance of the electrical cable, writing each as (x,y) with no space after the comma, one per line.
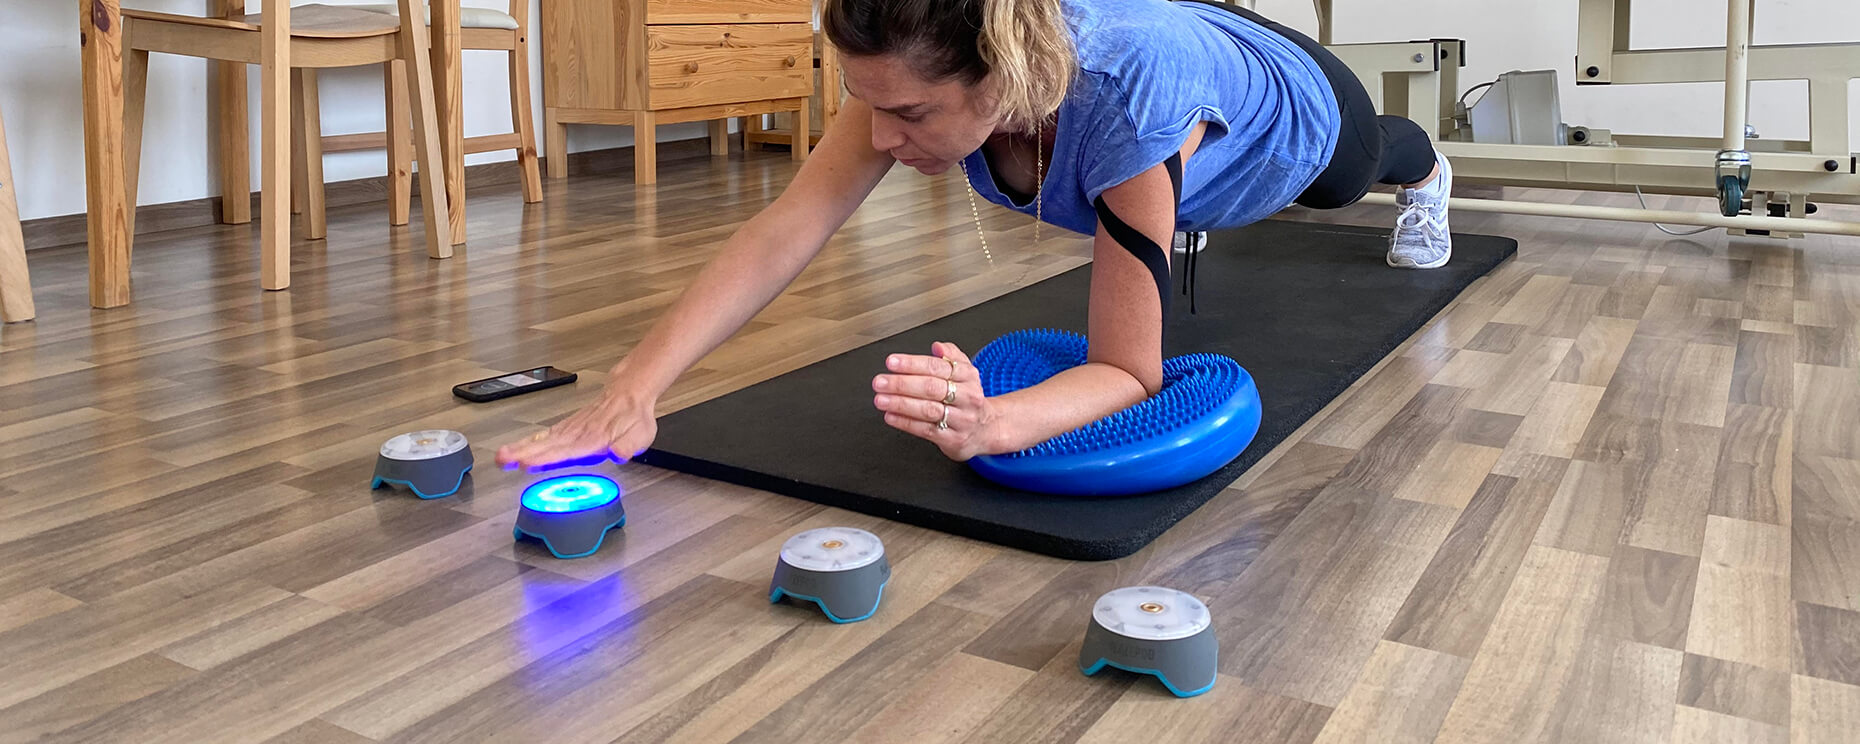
(1663,228)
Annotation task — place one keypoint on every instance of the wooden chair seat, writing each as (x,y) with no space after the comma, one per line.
(313,21)
(469,18)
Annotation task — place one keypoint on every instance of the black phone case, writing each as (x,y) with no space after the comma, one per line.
(461,390)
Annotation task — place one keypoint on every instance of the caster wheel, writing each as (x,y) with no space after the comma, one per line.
(1730,196)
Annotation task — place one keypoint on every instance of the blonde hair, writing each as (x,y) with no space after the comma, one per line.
(1030,58)
(1023,50)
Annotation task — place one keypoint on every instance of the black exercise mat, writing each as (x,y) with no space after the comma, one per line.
(1306,308)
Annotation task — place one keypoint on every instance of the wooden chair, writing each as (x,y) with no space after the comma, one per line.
(482,29)
(15,283)
(281,41)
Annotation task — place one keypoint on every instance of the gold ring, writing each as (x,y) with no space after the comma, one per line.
(539,436)
(952,368)
(949,398)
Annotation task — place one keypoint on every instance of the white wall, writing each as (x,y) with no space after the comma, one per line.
(39,95)
(1504,35)
(39,83)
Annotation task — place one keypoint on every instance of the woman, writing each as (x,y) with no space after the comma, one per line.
(1124,119)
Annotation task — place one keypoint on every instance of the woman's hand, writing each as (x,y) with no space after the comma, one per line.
(939,398)
(617,427)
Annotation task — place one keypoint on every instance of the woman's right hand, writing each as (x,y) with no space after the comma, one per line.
(618,427)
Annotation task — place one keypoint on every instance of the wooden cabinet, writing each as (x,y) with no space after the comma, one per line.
(642,63)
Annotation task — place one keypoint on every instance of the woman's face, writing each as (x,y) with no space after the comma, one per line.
(927,126)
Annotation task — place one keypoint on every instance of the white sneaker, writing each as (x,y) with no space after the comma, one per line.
(1183,240)
(1421,239)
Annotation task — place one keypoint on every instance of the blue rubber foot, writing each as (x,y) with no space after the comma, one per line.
(1205,415)
(1099,666)
(776,595)
(415,488)
(517,533)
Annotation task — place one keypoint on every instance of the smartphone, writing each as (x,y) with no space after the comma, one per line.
(515,383)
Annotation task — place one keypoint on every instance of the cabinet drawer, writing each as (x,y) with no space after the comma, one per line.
(729,11)
(707,65)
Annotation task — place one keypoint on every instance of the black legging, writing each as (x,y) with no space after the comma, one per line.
(1370,148)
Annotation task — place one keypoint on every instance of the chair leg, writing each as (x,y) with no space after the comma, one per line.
(555,139)
(228,101)
(445,46)
(135,99)
(414,51)
(229,106)
(399,145)
(100,23)
(300,179)
(15,283)
(523,121)
(645,147)
(317,227)
(274,253)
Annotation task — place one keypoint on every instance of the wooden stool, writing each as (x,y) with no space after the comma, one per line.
(15,284)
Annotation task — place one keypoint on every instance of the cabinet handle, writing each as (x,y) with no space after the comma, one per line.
(691,67)
(791,60)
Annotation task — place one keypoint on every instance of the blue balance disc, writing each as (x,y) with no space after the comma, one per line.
(1205,415)
(570,514)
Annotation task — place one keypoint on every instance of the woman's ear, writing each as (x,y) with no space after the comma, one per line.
(985,100)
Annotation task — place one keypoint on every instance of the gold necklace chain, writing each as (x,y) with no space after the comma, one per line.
(1039,186)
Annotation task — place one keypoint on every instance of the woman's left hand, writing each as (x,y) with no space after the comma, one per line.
(938,398)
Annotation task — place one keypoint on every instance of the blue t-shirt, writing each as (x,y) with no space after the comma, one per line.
(1149,70)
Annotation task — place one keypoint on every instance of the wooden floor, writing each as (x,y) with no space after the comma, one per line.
(1612,494)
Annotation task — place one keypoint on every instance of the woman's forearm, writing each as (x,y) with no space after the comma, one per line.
(1065,401)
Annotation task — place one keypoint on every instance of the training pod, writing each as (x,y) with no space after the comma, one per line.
(1153,630)
(842,569)
(570,514)
(430,463)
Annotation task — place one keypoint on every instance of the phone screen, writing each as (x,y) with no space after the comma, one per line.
(517,380)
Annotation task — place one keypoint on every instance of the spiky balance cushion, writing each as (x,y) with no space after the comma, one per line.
(1205,415)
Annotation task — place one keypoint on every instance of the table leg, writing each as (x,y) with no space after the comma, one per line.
(100,29)
(803,133)
(719,137)
(555,144)
(829,85)
(645,147)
